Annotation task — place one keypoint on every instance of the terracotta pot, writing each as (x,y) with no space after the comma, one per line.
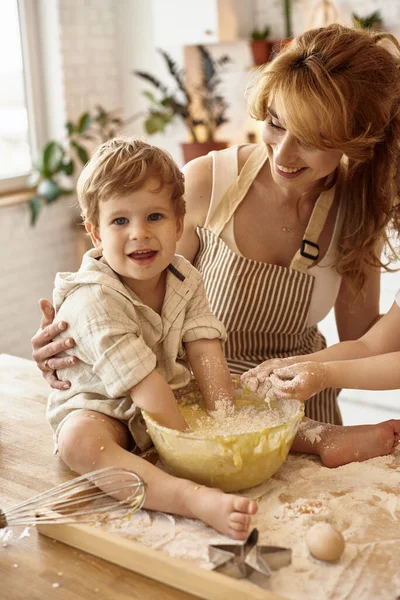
(261,50)
(194,150)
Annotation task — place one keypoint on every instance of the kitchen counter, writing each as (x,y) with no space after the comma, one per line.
(360,499)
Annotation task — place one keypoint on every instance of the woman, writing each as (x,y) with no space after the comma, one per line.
(285,230)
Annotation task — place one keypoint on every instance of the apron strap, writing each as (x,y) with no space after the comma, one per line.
(224,171)
(225,209)
(309,249)
(237,190)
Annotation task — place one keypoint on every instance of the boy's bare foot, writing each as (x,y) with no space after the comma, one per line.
(227,513)
(338,445)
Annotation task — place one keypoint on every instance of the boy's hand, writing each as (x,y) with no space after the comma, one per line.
(44,350)
(300,381)
(257,380)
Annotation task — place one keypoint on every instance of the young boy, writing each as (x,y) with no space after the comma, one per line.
(140,319)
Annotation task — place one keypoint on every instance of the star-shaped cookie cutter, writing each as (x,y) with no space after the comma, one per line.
(234,560)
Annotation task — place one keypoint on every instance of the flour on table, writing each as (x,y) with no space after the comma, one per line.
(362,500)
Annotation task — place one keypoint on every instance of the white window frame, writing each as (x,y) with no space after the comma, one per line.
(28,11)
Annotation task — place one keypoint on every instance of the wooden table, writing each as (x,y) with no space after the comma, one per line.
(35,567)
(39,568)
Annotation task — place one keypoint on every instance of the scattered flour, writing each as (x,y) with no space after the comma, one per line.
(362,500)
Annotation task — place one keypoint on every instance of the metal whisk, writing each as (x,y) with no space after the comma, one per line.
(109,492)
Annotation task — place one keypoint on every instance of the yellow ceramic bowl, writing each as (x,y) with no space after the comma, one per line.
(230,462)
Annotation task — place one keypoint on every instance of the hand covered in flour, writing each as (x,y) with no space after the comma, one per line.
(258,380)
(300,381)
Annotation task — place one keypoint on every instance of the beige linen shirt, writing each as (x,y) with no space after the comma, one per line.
(120,340)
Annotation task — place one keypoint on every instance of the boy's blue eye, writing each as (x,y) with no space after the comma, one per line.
(154,217)
(120,221)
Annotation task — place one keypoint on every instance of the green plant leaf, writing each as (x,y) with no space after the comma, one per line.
(259,34)
(368,21)
(51,159)
(68,167)
(84,122)
(177,74)
(155,124)
(150,96)
(153,80)
(82,153)
(49,190)
(35,204)
(70,128)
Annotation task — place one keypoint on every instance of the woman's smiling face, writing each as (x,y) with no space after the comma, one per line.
(295,165)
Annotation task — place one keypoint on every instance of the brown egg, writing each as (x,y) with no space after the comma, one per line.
(325,542)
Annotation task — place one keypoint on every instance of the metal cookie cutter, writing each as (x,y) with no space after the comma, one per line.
(234,560)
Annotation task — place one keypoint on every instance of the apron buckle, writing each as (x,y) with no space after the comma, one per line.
(305,246)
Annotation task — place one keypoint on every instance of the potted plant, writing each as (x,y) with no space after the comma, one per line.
(372,21)
(201,107)
(260,46)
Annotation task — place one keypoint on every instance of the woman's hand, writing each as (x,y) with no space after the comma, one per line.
(300,381)
(44,350)
(257,380)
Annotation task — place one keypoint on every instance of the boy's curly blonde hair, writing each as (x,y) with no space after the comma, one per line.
(122,165)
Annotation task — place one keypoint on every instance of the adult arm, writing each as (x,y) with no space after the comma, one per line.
(211,372)
(198,185)
(353,319)
(44,350)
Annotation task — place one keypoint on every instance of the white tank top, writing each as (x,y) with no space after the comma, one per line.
(327,279)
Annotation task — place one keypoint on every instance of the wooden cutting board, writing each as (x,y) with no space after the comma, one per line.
(158,565)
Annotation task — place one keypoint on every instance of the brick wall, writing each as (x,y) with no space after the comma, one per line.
(81,36)
(88,40)
(29,259)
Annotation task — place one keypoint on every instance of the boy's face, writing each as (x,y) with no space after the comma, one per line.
(138,232)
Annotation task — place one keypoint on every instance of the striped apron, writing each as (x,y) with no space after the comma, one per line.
(263,307)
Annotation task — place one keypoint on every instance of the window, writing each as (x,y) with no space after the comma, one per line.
(16,111)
